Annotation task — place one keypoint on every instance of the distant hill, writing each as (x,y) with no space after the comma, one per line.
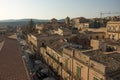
(61,20)
(16,22)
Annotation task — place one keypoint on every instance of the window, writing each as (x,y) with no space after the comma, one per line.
(95,78)
(66,64)
(113,36)
(103,37)
(97,37)
(78,73)
(90,37)
(43,45)
(85,42)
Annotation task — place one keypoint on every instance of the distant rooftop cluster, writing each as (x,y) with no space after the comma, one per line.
(75,49)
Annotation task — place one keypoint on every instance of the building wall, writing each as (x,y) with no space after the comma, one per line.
(100,68)
(83,71)
(113,30)
(32,41)
(54,60)
(98,44)
(113,36)
(80,23)
(93,74)
(118,48)
(102,29)
(67,62)
(81,61)
(78,67)
(97,71)
(65,75)
(40,27)
(62,32)
(95,44)
(87,70)
(96,35)
(83,26)
(59,32)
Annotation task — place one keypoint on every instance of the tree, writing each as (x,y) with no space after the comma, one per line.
(31,26)
(95,24)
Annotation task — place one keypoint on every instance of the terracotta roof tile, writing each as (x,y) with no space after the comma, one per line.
(11,63)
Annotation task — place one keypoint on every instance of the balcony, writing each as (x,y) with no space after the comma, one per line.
(57,61)
(67,70)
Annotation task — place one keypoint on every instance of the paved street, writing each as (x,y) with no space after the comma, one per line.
(38,70)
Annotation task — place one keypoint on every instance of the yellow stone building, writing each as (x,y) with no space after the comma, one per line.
(113,30)
(78,64)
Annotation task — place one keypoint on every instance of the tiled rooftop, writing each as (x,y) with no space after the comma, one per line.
(91,32)
(111,61)
(58,45)
(11,63)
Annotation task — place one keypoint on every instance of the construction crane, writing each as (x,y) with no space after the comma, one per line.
(101,14)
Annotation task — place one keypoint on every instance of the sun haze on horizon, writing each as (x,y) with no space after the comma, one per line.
(47,9)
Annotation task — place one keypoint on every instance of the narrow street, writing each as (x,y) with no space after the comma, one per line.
(36,66)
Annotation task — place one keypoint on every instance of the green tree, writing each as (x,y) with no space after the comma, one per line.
(31,26)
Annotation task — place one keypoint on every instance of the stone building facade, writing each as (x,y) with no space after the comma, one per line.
(113,30)
(75,64)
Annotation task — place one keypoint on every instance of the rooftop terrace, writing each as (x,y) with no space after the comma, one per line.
(111,61)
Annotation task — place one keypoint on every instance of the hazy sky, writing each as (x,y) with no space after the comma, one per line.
(47,9)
